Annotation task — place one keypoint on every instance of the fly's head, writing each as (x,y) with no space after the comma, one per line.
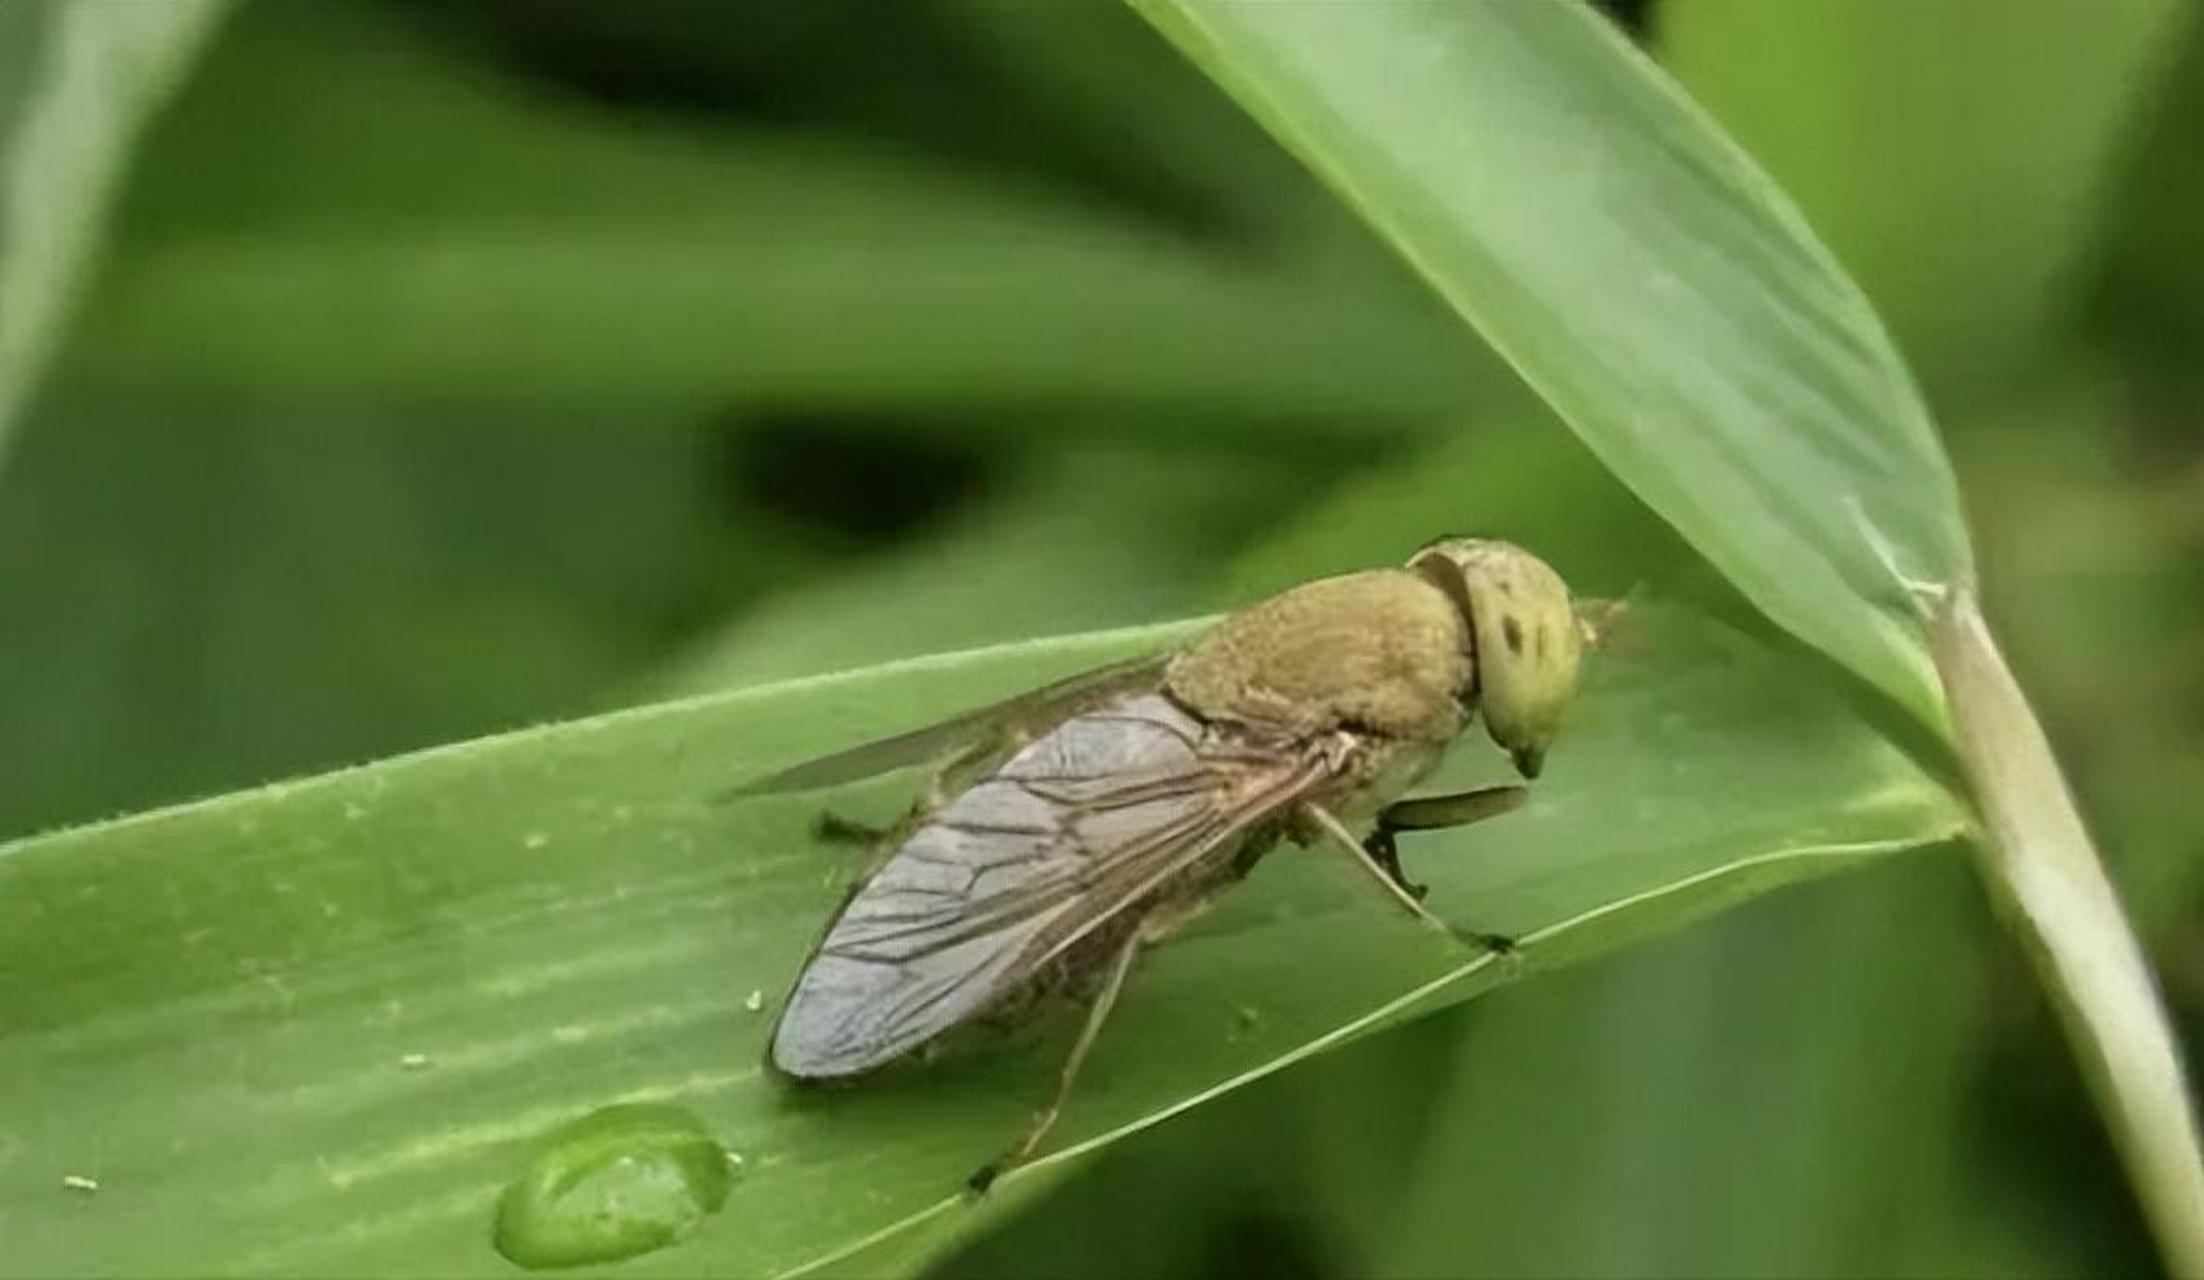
(1525,635)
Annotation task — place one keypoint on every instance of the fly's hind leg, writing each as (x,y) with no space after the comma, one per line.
(1113,980)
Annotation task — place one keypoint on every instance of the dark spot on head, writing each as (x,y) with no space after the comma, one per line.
(1541,645)
(1507,587)
(1512,632)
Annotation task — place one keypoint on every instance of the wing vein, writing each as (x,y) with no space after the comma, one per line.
(1090,818)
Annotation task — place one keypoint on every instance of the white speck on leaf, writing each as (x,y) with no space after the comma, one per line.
(78,1182)
(755,1002)
(536,840)
(414,1061)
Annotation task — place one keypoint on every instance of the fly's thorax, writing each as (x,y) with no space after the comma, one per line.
(1383,651)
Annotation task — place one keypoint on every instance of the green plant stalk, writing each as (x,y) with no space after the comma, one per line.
(2040,866)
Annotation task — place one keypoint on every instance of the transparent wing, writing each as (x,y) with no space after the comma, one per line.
(1078,825)
(1028,711)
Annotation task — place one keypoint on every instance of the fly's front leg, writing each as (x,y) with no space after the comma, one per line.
(1385,851)
(1436,813)
(1121,963)
(1379,855)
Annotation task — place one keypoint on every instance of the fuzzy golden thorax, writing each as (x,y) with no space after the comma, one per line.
(1384,651)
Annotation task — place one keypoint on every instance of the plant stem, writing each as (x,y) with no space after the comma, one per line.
(2046,876)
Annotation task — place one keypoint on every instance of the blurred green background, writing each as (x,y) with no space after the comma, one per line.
(455,366)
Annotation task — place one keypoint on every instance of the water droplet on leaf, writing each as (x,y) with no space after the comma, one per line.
(620,1181)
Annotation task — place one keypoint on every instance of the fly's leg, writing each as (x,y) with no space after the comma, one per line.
(1385,851)
(1336,831)
(958,772)
(834,828)
(1382,863)
(1120,965)
(1436,813)
(970,765)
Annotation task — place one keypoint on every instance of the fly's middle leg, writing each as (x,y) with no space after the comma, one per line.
(1327,824)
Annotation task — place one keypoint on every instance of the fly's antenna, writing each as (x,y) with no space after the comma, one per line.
(1606,624)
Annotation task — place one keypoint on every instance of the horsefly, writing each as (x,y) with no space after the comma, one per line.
(1076,825)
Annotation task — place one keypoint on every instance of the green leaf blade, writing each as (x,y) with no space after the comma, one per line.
(354,1005)
(1639,272)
